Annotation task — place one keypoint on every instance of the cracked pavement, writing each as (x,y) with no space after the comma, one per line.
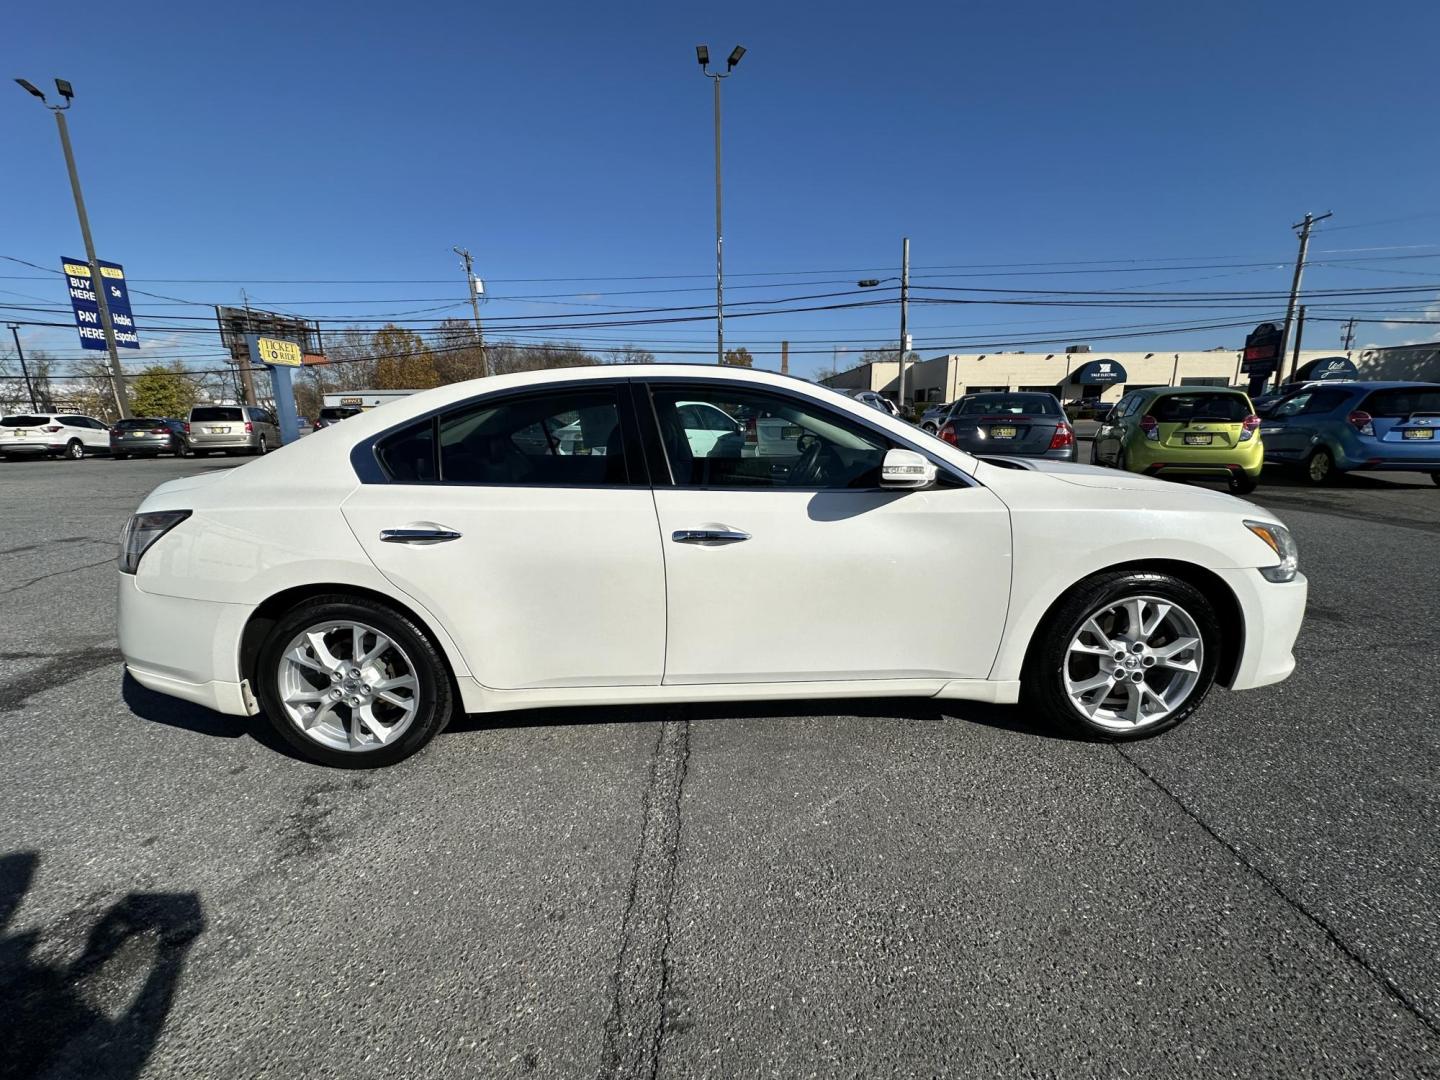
(848,889)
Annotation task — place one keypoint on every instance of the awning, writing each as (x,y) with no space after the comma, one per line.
(1099,371)
(1326,367)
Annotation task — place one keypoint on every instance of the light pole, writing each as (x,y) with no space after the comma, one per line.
(904,279)
(97,284)
(24,371)
(702,54)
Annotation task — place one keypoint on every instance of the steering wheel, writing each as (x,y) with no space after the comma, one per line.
(807,470)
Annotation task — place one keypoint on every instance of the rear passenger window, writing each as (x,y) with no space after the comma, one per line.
(568,438)
(408,456)
(1322,401)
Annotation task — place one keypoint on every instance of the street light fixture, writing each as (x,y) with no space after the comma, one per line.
(702,54)
(122,399)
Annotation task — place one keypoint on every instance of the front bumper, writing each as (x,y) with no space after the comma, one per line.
(1272,614)
(189,649)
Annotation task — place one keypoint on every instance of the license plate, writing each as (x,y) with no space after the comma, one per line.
(1198,440)
(20,434)
(217,431)
(134,435)
(791,432)
(1420,433)
(1002,432)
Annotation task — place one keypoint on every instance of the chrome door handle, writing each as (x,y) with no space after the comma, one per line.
(708,536)
(418,536)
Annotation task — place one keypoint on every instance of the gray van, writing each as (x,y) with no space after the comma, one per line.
(231,429)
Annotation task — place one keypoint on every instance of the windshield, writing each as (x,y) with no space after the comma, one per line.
(205,413)
(24,421)
(1181,408)
(1011,405)
(337,412)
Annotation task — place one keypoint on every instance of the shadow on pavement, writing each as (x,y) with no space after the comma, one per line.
(51,1019)
(172,712)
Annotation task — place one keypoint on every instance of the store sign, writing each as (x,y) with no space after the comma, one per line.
(1100,373)
(1262,350)
(87,307)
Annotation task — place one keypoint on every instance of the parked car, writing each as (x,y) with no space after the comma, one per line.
(934,416)
(438,539)
(148,436)
(231,429)
(875,401)
(48,434)
(333,414)
(1329,428)
(1012,424)
(1184,431)
(303,425)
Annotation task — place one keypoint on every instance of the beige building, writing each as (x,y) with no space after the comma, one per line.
(1106,375)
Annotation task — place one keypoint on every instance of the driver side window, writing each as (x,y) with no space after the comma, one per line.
(1291,406)
(772,441)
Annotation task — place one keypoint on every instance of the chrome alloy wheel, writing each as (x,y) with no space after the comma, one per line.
(1133,662)
(347,686)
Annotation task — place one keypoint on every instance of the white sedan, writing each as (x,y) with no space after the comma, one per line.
(364,585)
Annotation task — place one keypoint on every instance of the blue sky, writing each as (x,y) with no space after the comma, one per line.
(330,142)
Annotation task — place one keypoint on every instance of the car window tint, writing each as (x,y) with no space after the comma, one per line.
(24,420)
(1179,408)
(1322,401)
(1292,405)
(1012,405)
(567,438)
(1402,401)
(408,456)
(777,441)
(211,413)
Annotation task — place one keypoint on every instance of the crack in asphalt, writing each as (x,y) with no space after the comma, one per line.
(58,573)
(1379,977)
(65,668)
(635,1027)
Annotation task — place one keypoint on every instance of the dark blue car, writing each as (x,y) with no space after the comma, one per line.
(1330,428)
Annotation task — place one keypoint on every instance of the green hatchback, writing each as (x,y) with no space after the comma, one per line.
(1178,431)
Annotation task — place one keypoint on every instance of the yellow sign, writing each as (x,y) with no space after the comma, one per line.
(81,270)
(277,351)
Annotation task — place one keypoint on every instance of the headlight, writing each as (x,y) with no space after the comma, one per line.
(1283,544)
(141,531)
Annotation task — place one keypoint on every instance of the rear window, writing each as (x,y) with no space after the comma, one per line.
(206,413)
(24,421)
(137,424)
(337,412)
(1174,408)
(1012,404)
(1402,401)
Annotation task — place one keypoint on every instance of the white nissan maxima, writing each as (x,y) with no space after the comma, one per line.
(452,552)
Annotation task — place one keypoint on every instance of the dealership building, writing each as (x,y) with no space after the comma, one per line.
(1077,372)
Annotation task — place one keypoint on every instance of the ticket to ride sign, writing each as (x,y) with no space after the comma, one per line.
(87,307)
(276,351)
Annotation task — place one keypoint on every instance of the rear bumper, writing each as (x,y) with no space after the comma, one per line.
(1272,617)
(188,649)
(237,442)
(143,446)
(1394,457)
(29,447)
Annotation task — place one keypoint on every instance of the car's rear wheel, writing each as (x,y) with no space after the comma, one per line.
(929,427)
(199,453)
(74,450)
(1435,478)
(353,683)
(1320,467)
(119,457)
(1240,483)
(1125,655)
(260,446)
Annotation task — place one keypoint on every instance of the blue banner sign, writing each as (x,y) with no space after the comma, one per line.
(87,308)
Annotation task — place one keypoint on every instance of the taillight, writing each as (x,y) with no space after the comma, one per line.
(752,433)
(1361,422)
(1151,427)
(1248,426)
(53,428)
(114,431)
(186,426)
(947,433)
(249,427)
(1064,437)
(159,431)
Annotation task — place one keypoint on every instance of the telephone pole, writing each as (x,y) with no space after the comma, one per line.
(24,371)
(97,283)
(1299,333)
(904,315)
(1304,227)
(1349,335)
(784,358)
(474,307)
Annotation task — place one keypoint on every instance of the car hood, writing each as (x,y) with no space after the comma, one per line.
(1089,485)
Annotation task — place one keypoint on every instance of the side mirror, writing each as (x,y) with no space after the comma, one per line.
(1110,417)
(905,469)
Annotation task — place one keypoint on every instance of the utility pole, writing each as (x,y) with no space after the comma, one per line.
(784,358)
(97,284)
(30,390)
(1349,335)
(1299,333)
(474,307)
(247,378)
(904,315)
(1304,227)
(702,54)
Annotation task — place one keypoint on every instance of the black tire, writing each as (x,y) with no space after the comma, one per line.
(1121,462)
(74,450)
(1240,483)
(260,447)
(1319,468)
(929,428)
(1043,680)
(439,700)
(199,453)
(1435,478)
(119,457)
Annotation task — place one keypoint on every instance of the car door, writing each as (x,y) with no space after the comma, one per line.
(1107,437)
(796,566)
(1283,432)
(542,559)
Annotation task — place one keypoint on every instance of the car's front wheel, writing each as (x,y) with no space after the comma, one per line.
(353,683)
(74,450)
(1125,655)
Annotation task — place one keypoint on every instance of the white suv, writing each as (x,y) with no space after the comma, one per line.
(52,435)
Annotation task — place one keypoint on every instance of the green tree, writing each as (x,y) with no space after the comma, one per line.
(739,357)
(162,391)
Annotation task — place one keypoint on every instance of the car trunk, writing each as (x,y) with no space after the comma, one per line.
(1005,434)
(1200,434)
(1408,415)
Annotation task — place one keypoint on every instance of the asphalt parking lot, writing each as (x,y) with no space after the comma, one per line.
(837,889)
